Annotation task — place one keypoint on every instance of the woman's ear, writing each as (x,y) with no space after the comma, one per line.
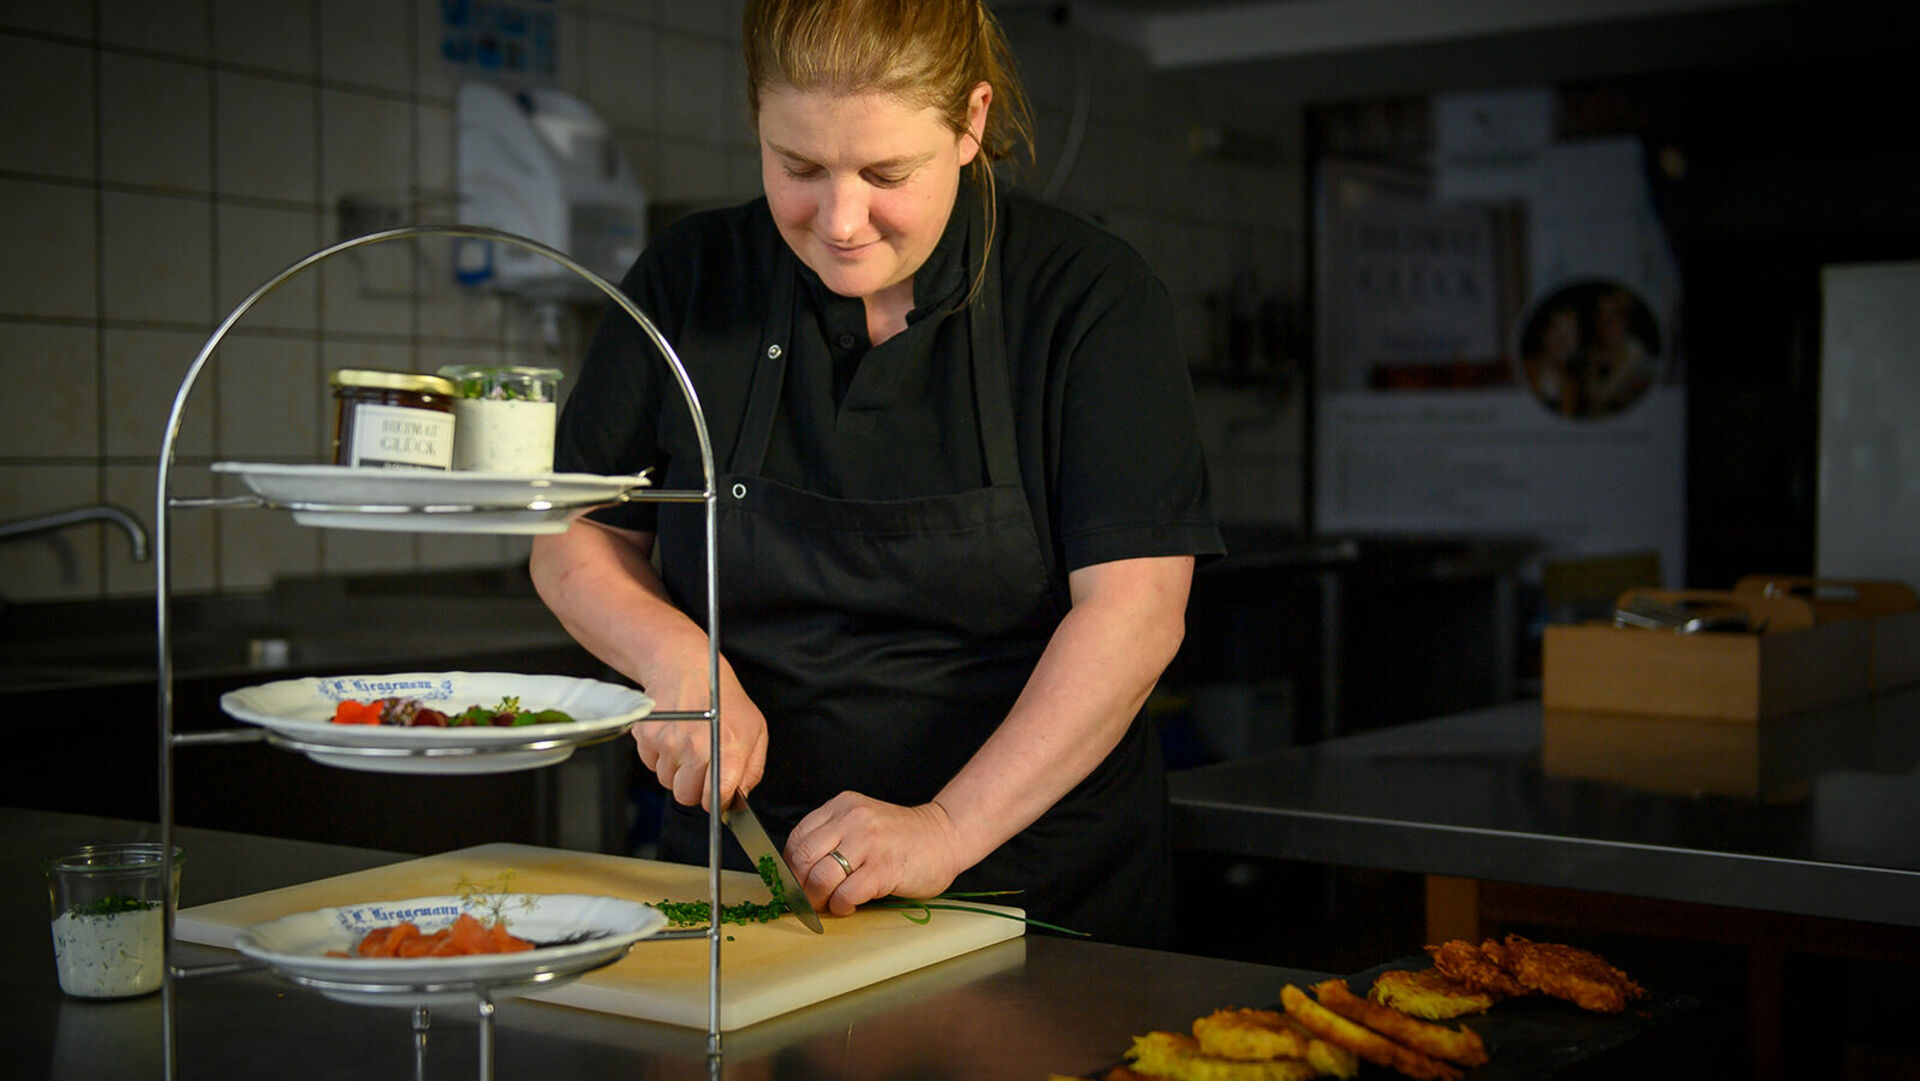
(977,102)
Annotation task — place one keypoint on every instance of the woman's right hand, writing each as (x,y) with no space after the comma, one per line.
(601,584)
(678,752)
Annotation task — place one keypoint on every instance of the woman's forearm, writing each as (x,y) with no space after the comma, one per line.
(1127,621)
(602,587)
(600,584)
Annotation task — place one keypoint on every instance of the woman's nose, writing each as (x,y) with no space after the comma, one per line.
(843,210)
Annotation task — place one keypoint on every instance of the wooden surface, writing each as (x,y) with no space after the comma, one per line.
(766,969)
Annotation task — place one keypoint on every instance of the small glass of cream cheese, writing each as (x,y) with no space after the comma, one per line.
(109,907)
(503,418)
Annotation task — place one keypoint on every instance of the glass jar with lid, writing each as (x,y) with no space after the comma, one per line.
(506,416)
(394,420)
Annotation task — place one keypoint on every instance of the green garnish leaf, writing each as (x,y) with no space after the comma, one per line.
(110,905)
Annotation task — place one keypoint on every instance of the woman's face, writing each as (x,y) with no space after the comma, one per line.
(861,185)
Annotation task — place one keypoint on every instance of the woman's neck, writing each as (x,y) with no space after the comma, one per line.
(887,311)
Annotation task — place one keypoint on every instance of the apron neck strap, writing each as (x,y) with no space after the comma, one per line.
(986,334)
(769,372)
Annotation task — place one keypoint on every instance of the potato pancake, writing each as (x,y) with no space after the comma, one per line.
(1580,976)
(1453,1044)
(1177,1057)
(1363,1041)
(1476,966)
(1248,1035)
(1429,993)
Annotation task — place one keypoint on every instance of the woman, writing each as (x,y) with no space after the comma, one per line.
(960,501)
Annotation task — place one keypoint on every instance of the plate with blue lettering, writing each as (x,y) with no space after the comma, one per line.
(430,500)
(571,934)
(299,715)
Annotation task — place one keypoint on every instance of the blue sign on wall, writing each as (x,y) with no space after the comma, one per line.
(520,38)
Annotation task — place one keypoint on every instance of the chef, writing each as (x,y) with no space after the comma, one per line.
(960,491)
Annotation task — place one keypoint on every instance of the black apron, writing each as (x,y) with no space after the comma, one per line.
(886,640)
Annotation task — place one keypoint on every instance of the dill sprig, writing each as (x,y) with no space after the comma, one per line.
(495,898)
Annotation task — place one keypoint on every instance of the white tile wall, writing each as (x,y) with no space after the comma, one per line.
(268,391)
(707,18)
(141,377)
(155,123)
(49,235)
(254,549)
(155,262)
(53,368)
(49,90)
(278,36)
(623,76)
(167,161)
(65,564)
(254,245)
(265,137)
(175,27)
(366,145)
(191,538)
(72,20)
(367,43)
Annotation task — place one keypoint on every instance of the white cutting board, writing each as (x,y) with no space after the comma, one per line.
(765,969)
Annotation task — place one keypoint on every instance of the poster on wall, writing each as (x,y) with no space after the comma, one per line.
(1501,362)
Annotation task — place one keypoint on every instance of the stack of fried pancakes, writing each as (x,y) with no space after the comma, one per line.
(1329,1032)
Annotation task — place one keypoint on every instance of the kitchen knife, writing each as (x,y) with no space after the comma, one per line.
(753,837)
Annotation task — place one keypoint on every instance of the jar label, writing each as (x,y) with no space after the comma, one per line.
(391,435)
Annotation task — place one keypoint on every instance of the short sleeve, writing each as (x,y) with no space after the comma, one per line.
(1132,478)
(611,421)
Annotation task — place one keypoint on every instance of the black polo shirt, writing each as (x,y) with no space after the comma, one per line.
(1103,405)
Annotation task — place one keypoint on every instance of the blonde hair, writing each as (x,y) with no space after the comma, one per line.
(928,53)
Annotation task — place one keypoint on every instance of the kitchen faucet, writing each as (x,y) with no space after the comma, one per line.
(54,521)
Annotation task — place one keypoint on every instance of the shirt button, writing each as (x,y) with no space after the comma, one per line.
(844,341)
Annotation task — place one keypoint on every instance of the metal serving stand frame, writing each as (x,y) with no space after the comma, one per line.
(398,518)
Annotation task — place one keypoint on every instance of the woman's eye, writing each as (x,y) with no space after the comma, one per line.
(803,172)
(886,180)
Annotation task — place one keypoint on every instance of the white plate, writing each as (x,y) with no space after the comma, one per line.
(430,501)
(299,712)
(296,947)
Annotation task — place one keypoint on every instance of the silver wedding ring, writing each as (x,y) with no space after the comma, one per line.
(842,861)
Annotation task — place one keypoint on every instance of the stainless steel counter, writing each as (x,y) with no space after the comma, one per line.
(1022,1009)
(1811,814)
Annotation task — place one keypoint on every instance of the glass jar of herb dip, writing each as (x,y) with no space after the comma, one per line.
(394,420)
(505,417)
(109,910)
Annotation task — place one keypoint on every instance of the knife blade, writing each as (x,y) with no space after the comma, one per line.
(753,837)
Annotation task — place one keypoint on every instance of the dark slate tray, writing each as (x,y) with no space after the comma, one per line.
(1527,1038)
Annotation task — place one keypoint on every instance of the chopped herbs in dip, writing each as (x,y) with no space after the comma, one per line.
(110,948)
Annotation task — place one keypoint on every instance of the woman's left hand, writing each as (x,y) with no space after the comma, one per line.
(888,849)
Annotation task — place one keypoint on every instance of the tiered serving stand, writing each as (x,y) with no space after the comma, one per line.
(540,509)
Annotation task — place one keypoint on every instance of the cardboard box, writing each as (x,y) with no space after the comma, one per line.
(1725,676)
(1890,609)
(1896,650)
